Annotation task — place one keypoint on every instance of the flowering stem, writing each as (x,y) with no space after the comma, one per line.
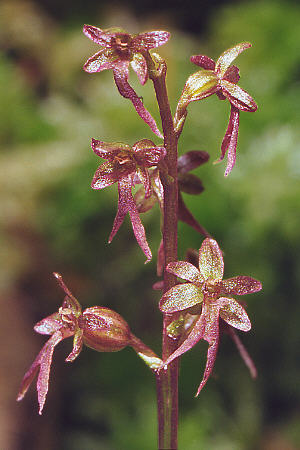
(167,380)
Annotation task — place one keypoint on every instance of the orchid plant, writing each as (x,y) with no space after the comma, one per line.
(200,306)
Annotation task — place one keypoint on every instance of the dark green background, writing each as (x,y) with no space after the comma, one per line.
(51,220)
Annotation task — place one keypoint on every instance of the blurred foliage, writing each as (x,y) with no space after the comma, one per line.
(49,110)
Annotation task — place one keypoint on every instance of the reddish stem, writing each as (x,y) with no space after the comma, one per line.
(167,380)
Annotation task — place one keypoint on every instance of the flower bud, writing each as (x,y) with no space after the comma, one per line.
(190,184)
(104,330)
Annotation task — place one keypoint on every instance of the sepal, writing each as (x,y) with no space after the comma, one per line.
(42,364)
(49,325)
(77,346)
(191,160)
(211,264)
(186,271)
(240,285)
(190,184)
(234,314)
(198,86)
(126,204)
(227,57)
(180,297)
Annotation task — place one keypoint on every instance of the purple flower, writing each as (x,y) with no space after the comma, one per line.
(127,166)
(97,327)
(219,78)
(205,286)
(119,50)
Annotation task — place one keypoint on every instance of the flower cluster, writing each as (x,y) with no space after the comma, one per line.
(205,289)
(119,50)
(219,78)
(97,327)
(127,166)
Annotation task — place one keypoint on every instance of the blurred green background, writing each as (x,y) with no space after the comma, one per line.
(51,220)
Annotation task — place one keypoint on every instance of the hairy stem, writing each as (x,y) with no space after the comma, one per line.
(167,380)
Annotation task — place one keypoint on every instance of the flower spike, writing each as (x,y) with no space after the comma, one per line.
(205,287)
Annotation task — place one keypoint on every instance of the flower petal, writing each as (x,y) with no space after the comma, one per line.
(152,39)
(98,36)
(232,74)
(121,80)
(229,142)
(105,59)
(186,271)
(203,61)
(238,97)
(158,188)
(234,116)
(158,286)
(147,154)
(109,150)
(240,285)
(108,174)
(180,297)
(139,65)
(234,314)
(43,364)
(211,358)
(211,263)
(193,338)
(206,327)
(229,56)
(191,160)
(190,184)
(187,217)
(49,325)
(145,179)
(198,86)
(126,205)
(210,314)
(77,346)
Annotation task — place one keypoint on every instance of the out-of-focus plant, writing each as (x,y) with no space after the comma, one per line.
(192,311)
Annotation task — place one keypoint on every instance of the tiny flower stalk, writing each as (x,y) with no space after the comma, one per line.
(97,327)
